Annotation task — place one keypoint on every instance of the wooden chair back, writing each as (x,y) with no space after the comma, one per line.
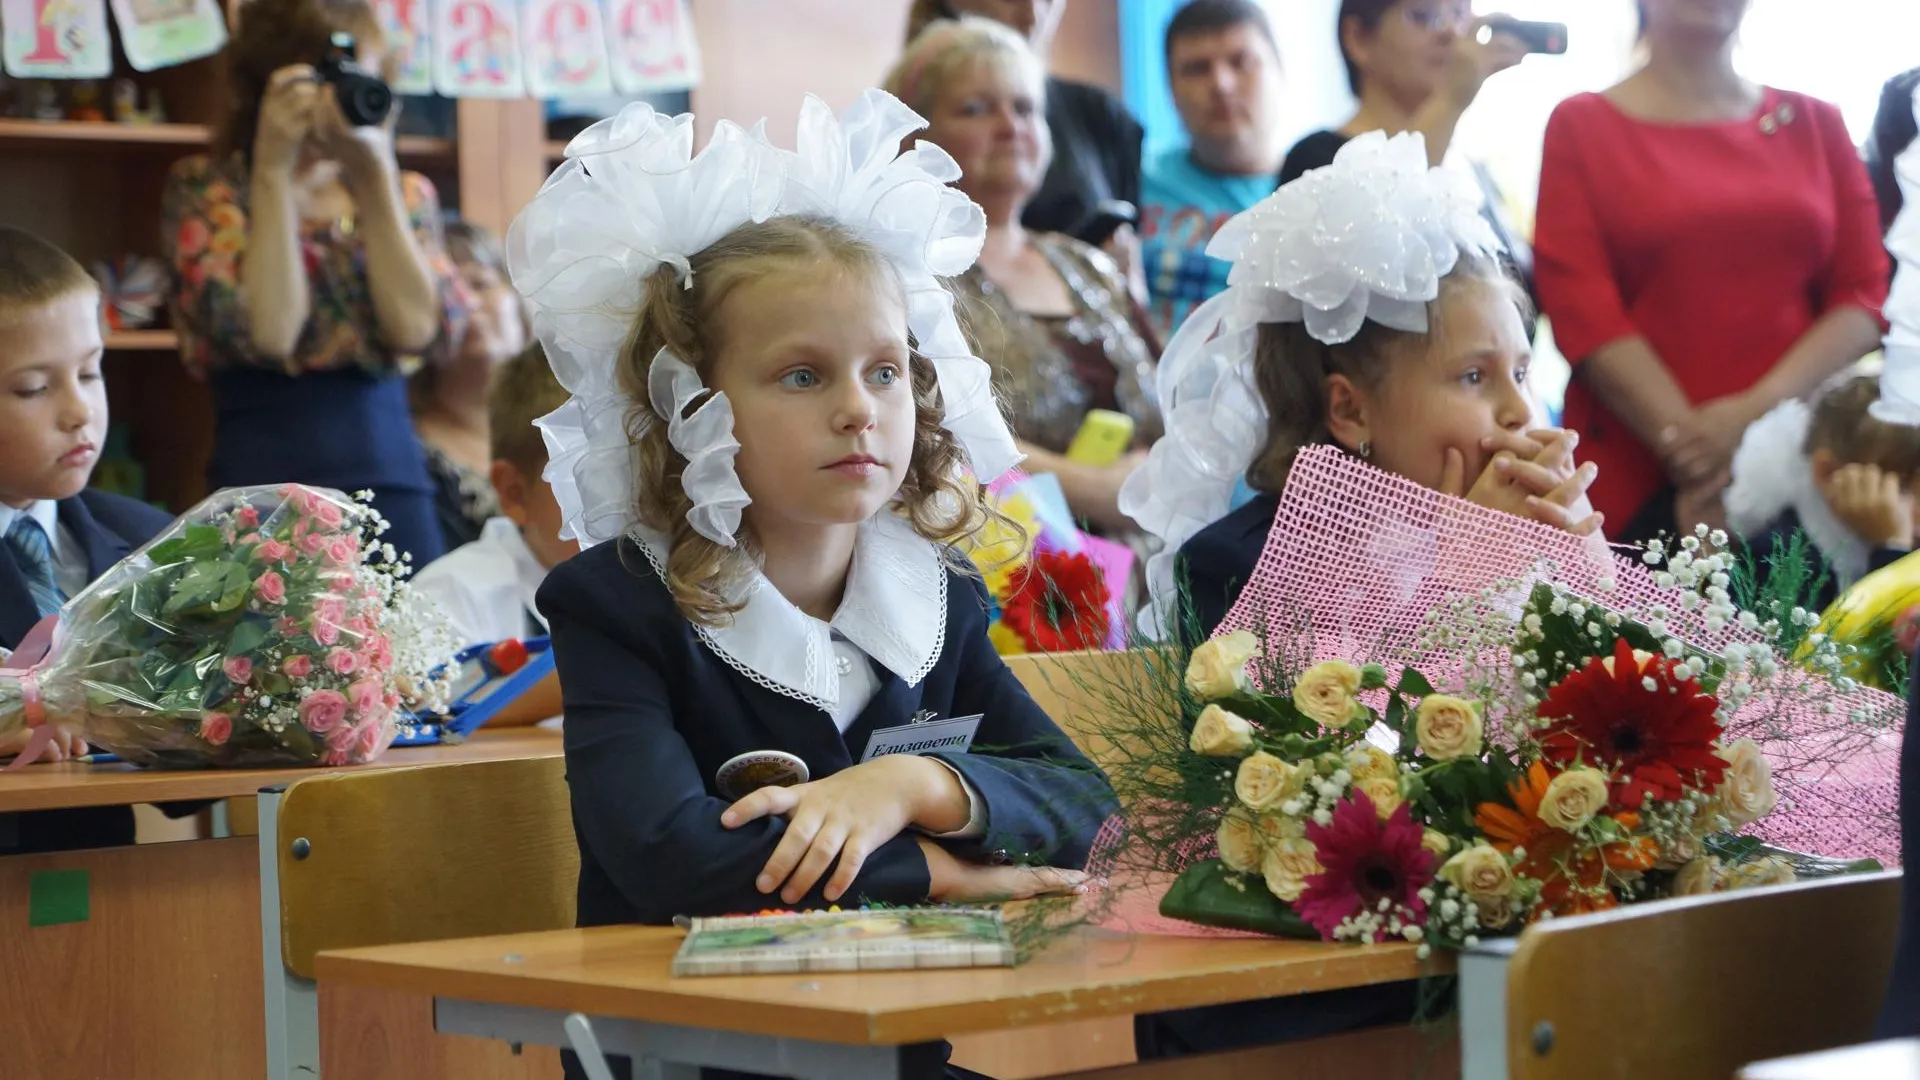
(1079,689)
(393,856)
(1700,987)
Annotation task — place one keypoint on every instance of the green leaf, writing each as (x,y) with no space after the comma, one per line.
(239,580)
(1414,683)
(1397,720)
(1210,894)
(196,542)
(1275,715)
(248,636)
(199,587)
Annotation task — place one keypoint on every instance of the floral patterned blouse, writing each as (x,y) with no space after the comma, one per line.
(204,234)
(1051,370)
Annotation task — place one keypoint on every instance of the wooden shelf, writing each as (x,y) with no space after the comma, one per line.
(109,136)
(102,134)
(142,341)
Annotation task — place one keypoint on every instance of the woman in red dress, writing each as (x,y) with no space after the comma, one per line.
(1706,248)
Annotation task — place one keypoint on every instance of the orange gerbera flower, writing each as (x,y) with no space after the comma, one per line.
(1572,875)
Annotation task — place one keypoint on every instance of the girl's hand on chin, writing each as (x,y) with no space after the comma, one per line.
(1530,476)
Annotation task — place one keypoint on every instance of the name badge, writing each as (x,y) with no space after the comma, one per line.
(922,737)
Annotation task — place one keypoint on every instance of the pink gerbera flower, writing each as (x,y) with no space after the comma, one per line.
(1365,860)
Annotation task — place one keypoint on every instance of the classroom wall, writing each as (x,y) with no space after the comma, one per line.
(761,57)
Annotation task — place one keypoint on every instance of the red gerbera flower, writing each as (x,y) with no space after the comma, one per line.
(1630,714)
(1365,860)
(1058,603)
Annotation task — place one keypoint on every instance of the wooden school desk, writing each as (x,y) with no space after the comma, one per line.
(866,1026)
(146,961)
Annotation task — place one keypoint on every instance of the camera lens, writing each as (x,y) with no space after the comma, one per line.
(369,103)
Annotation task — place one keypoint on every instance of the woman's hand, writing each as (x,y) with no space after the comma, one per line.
(1872,503)
(1124,247)
(846,816)
(1473,63)
(365,154)
(286,117)
(956,881)
(1701,446)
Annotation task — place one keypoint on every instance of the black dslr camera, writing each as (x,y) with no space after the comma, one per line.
(364,99)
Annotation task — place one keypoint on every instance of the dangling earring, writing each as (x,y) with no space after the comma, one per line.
(1366,450)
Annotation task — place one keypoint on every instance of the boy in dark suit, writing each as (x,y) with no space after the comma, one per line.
(55,535)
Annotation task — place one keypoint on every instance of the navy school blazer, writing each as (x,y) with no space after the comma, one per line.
(1220,558)
(108,528)
(652,713)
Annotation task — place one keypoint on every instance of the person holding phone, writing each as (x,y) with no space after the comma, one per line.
(1418,65)
(1052,314)
(1707,248)
(310,275)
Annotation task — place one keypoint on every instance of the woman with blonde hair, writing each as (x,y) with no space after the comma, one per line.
(1096,141)
(1053,315)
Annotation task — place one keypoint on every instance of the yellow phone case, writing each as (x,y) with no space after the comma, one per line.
(1104,436)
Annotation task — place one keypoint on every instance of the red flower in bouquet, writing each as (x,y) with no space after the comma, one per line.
(1631,715)
(1365,860)
(1573,876)
(1058,603)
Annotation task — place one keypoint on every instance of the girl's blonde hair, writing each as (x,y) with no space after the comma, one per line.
(1291,368)
(938,496)
(950,47)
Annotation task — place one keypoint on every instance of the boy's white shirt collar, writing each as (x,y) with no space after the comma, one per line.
(44,511)
(894,609)
(1771,474)
(502,533)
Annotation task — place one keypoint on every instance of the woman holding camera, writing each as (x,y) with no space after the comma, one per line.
(310,274)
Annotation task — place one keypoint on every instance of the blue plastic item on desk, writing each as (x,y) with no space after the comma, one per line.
(488,690)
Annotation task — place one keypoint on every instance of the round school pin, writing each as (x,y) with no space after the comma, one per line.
(746,773)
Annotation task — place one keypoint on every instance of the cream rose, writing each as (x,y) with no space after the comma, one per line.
(1437,842)
(1746,795)
(1573,798)
(1218,668)
(1479,871)
(1495,912)
(1447,727)
(1697,878)
(1367,761)
(1771,870)
(1264,781)
(1240,842)
(1219,733)
(1383,792)
(1286,867)
(1325,693)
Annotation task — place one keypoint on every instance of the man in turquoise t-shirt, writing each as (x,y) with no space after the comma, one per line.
(1225,74)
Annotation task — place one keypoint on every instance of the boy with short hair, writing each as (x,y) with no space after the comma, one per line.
(56,535)
(487,587)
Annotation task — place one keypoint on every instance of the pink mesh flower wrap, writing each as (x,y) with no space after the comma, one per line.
(1367,555)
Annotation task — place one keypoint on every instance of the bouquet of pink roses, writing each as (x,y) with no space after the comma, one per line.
(268,626)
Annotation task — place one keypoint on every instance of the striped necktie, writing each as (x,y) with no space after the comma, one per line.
(34,554)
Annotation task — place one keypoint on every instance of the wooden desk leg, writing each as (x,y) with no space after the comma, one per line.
(292,1004)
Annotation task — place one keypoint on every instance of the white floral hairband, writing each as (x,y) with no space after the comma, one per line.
(1367,237)
(632,196)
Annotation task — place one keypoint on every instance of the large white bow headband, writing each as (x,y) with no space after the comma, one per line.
(632,196)
(1368,237)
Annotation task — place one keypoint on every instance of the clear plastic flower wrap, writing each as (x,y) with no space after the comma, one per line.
(267,626)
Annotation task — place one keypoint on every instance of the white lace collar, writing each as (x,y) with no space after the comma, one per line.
(1771,474)
(895,610)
